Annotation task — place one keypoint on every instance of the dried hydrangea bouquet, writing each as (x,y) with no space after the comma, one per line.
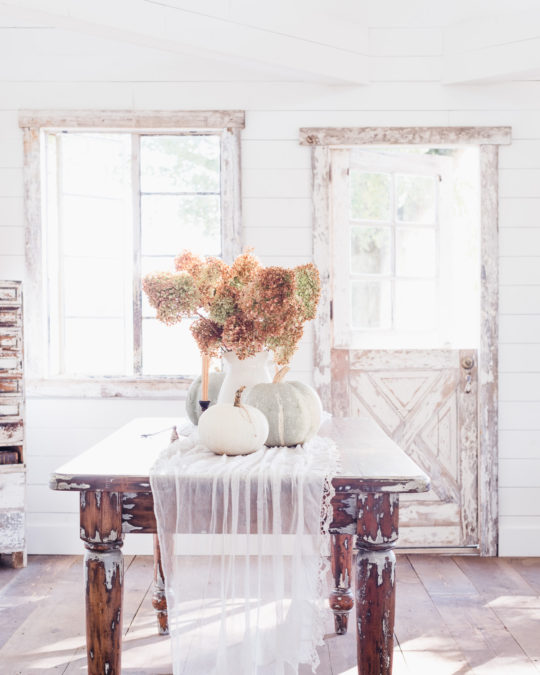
(242,307)
(241,311)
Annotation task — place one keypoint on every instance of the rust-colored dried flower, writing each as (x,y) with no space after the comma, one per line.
(244,269)
(208,336)
(242,335)
(187,262)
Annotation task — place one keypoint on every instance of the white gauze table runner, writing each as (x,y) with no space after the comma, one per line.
(252,601)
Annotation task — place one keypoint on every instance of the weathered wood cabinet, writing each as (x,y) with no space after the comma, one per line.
(12,475)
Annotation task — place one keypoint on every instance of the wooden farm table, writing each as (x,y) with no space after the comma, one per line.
(116,499)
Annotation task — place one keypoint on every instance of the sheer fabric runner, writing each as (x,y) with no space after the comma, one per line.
(251,601)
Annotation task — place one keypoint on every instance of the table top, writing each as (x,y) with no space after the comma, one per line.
(370,460)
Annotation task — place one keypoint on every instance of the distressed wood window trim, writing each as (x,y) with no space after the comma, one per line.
(322,140)
(226,123)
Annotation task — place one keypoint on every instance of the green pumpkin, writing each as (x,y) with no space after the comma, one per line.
(193,409)
(293,411)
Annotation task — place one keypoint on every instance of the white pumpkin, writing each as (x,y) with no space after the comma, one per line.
(293,410)
(193,409)
(233,429)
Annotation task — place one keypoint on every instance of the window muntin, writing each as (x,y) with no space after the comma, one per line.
(393,242)
(119,205)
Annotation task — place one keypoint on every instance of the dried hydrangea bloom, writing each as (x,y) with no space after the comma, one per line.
(244,269)
(173,295)
(270,297)
(187,262)
(285,343)
(223,306)
(209,277)
(208,336)
(308,289)
(243,335)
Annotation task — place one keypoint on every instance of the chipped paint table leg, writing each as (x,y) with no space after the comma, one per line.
(375,581)
(101,531)
(341,597)
(159,600)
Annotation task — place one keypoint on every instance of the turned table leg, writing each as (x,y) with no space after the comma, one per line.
(159,601)
(375,581)
(101,531)
(341,597)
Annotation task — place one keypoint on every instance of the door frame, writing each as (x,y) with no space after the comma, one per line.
(487,139)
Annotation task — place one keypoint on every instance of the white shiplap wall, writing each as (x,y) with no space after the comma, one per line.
(405,70)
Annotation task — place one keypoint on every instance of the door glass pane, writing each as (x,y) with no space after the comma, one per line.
(370,195)
(180,163)
(371,304)
(415,305)
(370,250)
(171,223)
(415,199)
(415,252)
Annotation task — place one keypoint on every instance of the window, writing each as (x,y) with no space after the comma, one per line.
(410,240)
(118,203)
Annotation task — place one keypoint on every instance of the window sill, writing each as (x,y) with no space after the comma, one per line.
(108,387)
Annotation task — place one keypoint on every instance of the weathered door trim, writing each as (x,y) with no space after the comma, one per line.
(488,139)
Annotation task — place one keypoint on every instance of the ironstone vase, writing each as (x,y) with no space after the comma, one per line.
(243,373)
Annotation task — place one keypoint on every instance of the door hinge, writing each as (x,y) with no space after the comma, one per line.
(331,310)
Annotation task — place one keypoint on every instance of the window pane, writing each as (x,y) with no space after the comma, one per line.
(94,287)
(370,195)
(171,224)
(169,350)
(371,304)
(180,163)
(96,226)
(95,164)
(415,198)
(370,250)
(415,307)
(415,252)
(94,347)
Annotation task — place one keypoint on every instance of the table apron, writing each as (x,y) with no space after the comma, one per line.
(138,515)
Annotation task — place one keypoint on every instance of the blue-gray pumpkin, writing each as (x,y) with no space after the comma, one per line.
(293,411)
(193,409)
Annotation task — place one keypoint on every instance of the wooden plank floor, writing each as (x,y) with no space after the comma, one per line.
(454,615)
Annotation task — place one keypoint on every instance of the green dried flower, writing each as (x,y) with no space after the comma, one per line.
(173,295)
(308,289)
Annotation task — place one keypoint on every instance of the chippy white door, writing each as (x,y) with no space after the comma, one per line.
(405,320)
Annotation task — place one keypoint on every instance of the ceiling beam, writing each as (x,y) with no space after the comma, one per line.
(169,28)
(498,47)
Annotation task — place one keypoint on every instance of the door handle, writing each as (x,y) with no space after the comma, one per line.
(467,364)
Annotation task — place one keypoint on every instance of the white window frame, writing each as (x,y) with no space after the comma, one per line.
(34,124)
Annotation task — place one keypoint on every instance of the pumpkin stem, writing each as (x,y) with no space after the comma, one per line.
(280,374)
(238,396)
